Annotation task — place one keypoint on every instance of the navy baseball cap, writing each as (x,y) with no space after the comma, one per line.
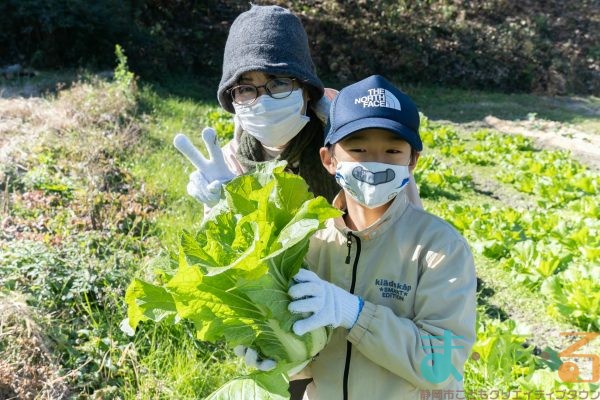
(373,103)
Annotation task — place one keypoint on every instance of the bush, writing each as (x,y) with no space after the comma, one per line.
(528,45)
(513,46)
(159,36)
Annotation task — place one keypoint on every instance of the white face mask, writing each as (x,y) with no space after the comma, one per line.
(274,122)
(372,184)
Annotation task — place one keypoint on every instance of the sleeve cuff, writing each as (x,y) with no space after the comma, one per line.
(365,317)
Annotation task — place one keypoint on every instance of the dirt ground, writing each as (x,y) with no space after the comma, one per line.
(549,135)
(553,135)
(29,369)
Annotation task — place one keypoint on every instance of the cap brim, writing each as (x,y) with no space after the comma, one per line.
(383,123)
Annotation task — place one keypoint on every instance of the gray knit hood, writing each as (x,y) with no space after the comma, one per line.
(268,39)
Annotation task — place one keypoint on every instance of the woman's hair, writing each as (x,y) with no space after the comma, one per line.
(304,149)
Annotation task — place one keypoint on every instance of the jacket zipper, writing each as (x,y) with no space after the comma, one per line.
(349,244)
(348,344)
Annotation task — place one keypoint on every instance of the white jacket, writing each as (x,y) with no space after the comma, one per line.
(416,275)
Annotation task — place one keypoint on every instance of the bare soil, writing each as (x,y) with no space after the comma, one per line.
(553,135)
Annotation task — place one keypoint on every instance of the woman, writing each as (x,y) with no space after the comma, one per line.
(269,83)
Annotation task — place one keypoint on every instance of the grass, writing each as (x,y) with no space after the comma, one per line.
(100,199)
(462,106)
(161,166)
(470,106)
(104,191)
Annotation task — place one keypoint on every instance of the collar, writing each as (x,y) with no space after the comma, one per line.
(377,228)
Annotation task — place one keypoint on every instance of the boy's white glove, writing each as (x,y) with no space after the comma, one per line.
(205,183)
(330,305)
(251,358)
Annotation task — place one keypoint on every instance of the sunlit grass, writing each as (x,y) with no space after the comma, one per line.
(174,365)
(462,106)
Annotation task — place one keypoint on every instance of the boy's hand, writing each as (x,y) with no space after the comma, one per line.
(205,183)
(251,358)
(329,304)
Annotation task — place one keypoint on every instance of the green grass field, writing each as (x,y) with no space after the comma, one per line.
(93,195)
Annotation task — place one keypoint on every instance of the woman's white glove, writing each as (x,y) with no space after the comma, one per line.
(251,358)
(329,304)
(205,183)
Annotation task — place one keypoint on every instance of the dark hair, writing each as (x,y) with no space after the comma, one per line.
(301,154)
(413,156)
(304,149)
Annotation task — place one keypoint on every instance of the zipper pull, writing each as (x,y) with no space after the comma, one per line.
(349,244)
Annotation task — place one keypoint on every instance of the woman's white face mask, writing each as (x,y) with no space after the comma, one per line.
(372,184)
(274,122)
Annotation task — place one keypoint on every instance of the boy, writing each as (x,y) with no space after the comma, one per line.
(397,282)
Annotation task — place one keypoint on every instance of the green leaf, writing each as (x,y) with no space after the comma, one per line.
(234,273)
(239,196)
(146,301)
(291,193)
(251,388)
(194,293)
(195,253)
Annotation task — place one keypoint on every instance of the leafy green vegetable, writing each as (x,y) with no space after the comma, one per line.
(502,354)
(233,274)
(243,389)
(575,295)
(533,261)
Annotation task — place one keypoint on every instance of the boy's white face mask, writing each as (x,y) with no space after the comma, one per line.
(274,122)
(372,184)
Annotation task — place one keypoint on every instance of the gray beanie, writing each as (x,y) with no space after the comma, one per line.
(268,39)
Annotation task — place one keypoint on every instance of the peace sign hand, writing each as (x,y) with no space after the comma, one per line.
(205,183)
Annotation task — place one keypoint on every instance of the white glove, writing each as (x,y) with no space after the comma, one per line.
(329,304)
(251,358)
(204,191)
(205,183)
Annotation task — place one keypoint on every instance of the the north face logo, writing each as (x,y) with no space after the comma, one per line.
(379,97)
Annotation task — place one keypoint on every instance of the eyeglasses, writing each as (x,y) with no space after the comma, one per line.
(277,88)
